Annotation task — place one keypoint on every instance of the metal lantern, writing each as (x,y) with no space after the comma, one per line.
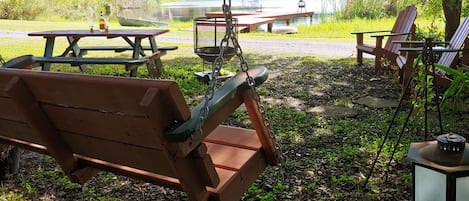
(208,35)
(440,169)
(301,6)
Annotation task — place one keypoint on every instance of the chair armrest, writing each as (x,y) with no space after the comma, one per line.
(391,34)
(449,50)
(419,42)
(370,32)
(439,50)
(410,49)
(408,42)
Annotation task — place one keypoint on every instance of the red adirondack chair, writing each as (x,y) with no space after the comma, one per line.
(402,29)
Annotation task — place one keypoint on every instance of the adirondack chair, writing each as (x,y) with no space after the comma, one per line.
(137,128)
(447,58)
(403,28)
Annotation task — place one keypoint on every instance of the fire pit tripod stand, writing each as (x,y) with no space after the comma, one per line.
(208,35)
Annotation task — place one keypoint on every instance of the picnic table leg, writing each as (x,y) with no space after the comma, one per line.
(132,44)
(9,160)
(269,27)
(155,69)
(75,49)
(49,49)
(136,54)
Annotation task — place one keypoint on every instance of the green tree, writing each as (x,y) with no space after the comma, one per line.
(452,11)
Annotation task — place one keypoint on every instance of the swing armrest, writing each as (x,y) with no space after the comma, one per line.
(20,62)
(229,91)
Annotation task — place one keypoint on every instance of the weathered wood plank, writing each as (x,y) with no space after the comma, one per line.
(233,184)
(9,111)
(19,130)
(152,160)
(262,129)
(113,33)
(203,161)
(124,48)
(236,137)
(82,60)
(29,107)
(135,130)
(230,158)
(97,92)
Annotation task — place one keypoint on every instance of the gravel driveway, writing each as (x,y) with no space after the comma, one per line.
(258,46)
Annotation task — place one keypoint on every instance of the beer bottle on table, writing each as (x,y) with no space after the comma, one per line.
(102,22)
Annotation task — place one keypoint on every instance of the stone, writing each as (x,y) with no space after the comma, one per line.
(334,111)
(374,102)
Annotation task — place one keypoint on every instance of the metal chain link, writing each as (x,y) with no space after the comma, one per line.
(216,67)
(2,61)
(252,84)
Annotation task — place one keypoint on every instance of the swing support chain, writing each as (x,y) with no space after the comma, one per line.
(230,34)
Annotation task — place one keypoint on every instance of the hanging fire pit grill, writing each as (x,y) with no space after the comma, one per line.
(209,54)
(208,35)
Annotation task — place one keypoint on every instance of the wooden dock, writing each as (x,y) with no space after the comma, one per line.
(249,21)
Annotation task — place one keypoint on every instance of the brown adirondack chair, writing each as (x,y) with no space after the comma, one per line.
(403,28)
(137,128)
(448,58)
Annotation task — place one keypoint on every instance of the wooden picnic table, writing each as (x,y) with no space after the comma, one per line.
(253,22)
(254,19)
(74,36)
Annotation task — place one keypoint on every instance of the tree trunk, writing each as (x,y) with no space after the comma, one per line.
(452,11)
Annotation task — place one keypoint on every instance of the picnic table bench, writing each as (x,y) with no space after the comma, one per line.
(75,52)
(130,64)
(123,48)
(138,128)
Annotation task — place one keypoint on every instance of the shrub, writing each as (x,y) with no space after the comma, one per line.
(80,9)
(433,30)
(62,9)
(20,9)
(371,9)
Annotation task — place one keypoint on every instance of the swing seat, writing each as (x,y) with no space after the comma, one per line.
(137,128)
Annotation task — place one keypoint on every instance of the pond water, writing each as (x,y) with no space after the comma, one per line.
(188,10)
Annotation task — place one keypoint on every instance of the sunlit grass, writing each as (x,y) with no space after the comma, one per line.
(341,30)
